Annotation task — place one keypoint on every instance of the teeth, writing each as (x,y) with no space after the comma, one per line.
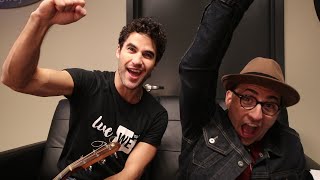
(252,125)
(135,70)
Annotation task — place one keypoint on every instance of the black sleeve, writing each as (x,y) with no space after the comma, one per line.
(85,82)
(199,66)
(157,129)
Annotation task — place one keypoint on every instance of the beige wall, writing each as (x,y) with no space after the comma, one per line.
(302,45)
(91,42)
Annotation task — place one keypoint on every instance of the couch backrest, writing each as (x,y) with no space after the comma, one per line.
(55,140)
(165,164)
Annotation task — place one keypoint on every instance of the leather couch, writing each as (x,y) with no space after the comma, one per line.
(38,160)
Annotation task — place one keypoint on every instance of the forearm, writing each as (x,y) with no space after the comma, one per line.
(22,60)
(137,161)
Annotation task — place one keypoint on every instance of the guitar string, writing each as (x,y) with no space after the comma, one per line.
(102,144)
(96,152)
(76,163)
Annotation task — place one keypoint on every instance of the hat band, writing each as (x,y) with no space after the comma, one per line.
(261,74)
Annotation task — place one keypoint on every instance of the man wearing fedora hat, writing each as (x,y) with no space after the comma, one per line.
(245,141)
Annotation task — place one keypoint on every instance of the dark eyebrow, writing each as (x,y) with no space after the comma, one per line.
(131,45)
(134,46)
(251,90)
(151,53)
(269,97)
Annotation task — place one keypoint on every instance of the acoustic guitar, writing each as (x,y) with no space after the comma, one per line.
(86,161)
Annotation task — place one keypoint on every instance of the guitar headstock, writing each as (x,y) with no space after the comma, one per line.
(98,155)
(91,158)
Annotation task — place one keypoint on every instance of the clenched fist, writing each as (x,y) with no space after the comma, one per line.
(61,11)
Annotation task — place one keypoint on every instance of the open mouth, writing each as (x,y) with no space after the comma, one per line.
(134,73)
(249,130)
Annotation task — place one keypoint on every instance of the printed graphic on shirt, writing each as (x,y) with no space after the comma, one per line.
(124,136)
(101,127)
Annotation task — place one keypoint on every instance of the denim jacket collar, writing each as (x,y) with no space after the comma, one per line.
(224,138)
(220,135)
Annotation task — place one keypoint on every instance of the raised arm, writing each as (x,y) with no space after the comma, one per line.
(199,67)
(20,70)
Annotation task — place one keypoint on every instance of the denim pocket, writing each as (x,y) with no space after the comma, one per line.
(205,156)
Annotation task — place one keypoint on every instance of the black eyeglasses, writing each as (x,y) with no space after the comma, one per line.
(250,102)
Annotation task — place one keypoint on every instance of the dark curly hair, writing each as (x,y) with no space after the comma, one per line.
(148,26)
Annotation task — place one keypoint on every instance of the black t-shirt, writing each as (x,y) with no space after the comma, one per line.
(98,113)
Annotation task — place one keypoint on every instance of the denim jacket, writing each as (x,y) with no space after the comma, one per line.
(217,153)
(211,148)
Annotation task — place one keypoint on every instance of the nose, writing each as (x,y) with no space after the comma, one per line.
(137,59)
(256,113)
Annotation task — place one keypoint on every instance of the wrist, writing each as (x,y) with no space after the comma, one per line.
(36,19)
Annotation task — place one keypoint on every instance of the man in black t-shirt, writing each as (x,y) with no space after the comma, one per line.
(105,106)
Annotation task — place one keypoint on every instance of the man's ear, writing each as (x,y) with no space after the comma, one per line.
(228,99)
(118,52)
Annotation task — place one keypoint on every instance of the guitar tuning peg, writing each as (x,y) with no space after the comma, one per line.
(102,162)
(115,154)
(89,169)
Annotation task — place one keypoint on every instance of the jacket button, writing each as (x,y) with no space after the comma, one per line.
(261,155)
(240,163)
(213,140)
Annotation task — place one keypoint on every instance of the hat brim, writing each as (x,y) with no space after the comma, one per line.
(289,95)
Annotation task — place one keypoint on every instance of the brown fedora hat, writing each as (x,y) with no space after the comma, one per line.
(264,72)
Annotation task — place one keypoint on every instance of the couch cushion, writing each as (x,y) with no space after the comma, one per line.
(55,141)
(165,164)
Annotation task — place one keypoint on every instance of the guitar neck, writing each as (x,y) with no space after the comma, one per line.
(88,160)
(67,171)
